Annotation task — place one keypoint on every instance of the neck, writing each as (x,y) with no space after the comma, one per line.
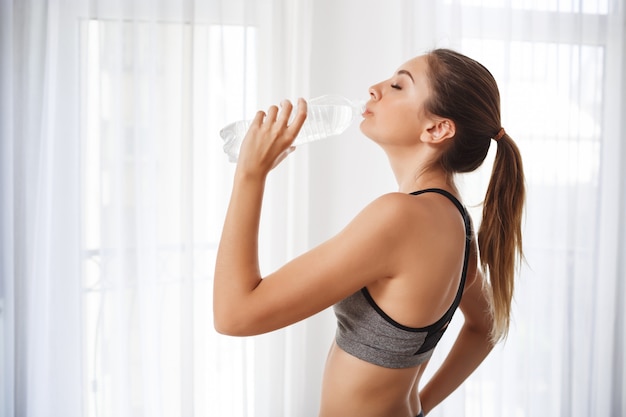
(416,171)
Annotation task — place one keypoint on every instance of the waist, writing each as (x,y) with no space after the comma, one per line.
(352,386)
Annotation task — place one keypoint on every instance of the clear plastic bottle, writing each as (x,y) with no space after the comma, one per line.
(328,115)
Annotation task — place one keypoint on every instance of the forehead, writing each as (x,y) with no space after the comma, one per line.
(416,66)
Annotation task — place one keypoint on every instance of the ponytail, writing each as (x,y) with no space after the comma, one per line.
(464,91)
(500,232)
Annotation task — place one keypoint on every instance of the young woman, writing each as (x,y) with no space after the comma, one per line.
(398,271)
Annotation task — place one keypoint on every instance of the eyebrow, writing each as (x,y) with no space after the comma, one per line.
(405,72)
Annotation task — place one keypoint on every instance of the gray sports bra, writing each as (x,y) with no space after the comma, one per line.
(365,331)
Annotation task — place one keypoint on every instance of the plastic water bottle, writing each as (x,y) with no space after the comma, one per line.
(328,115)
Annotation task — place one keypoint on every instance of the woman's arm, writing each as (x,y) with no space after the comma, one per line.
(471,347)
(237,267)
(244,302)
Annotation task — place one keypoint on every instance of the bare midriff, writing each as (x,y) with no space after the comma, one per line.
(355,388)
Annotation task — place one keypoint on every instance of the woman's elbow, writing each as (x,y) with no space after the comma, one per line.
(221,325)
(226,324)
(482,329)
(233,324)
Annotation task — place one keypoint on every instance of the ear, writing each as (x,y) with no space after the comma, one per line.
(438,131)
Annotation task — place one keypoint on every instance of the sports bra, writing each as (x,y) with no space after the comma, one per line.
(365,331)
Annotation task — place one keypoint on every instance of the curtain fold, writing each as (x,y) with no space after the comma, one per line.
(7,213)
(41,203)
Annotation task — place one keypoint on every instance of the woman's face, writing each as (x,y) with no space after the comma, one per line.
(395,113)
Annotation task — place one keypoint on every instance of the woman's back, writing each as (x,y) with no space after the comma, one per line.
(380,347)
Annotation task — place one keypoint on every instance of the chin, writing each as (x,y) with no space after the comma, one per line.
(367,132)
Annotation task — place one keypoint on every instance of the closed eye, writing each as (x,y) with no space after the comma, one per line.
(396,86)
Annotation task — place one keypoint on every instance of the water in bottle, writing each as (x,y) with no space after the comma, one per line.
(327,116)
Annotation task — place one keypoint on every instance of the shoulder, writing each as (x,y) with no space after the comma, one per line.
(381,219)
(392,204)
(393,214)
(389,209)
(396,207)
(389,202)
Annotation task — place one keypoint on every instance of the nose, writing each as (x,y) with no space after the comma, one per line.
(374,92)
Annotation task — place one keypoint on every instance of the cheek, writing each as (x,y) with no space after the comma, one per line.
(403,125)
(399,124)
(404,133)
(398,130)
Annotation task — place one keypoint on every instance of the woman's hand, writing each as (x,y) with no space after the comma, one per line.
(270,137)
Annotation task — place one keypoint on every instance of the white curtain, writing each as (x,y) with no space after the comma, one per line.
(113,187)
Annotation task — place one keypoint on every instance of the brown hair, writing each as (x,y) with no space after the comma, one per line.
(465,92)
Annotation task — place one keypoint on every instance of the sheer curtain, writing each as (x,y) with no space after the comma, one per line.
(113,187)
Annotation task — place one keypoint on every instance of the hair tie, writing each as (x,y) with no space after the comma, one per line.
(499,135)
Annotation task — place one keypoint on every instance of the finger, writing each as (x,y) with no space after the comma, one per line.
(271,114)
(258,118)
(285,112)
(300,117)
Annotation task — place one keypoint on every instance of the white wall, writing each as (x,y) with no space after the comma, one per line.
(350,52)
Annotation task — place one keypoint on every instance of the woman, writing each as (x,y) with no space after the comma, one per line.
(398,271)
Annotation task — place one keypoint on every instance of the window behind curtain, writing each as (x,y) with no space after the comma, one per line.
(553,110)
(561,6)
(550,61)
(154,189)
